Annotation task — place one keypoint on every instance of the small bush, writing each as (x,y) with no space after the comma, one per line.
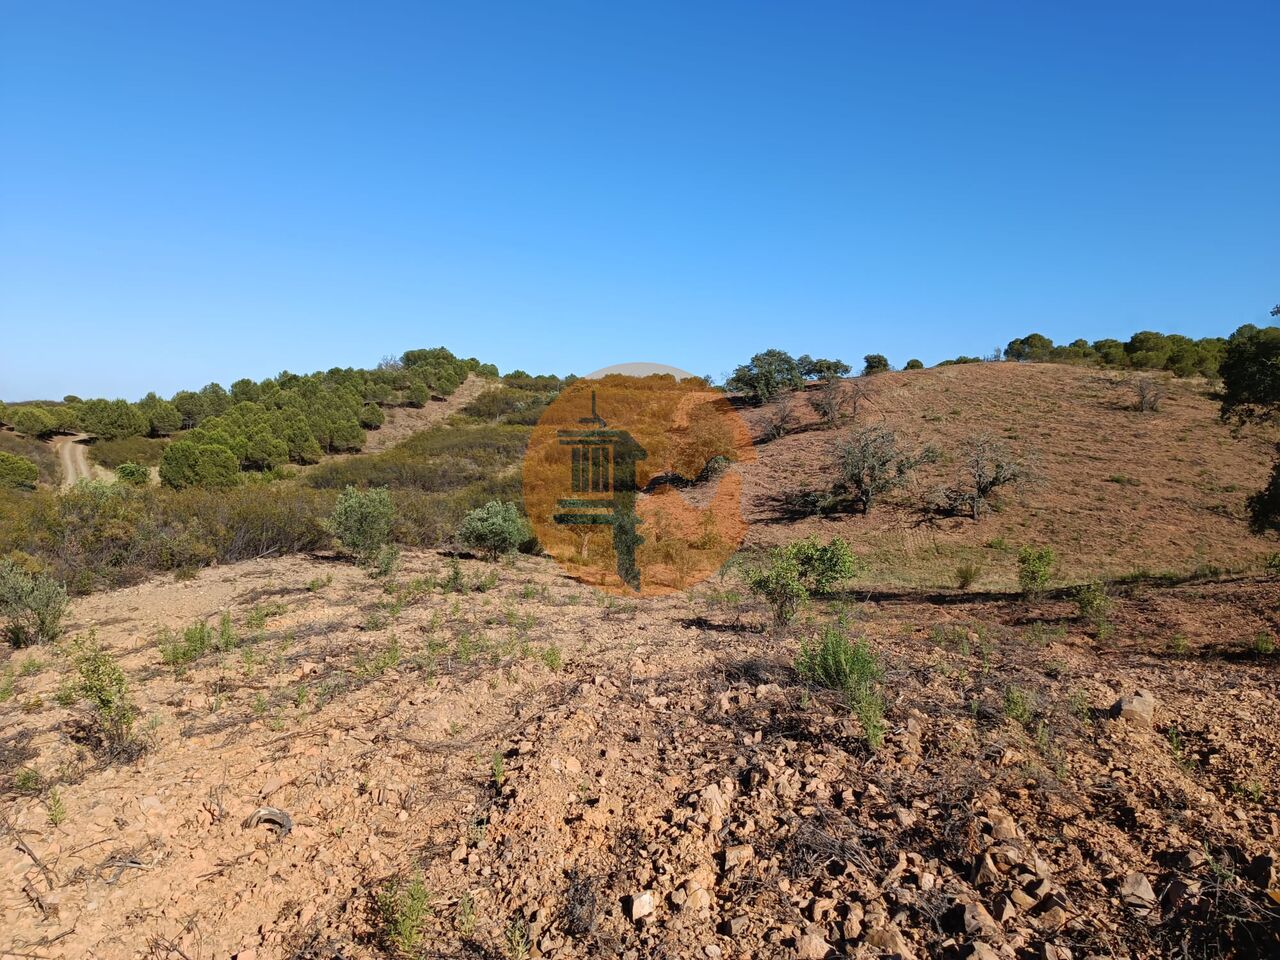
(914,364)
(1093,602)
(1149,394)
(133,473)
(870,464)
(403,909)
(1264,645)
(494,529)
(386,563)
(791,573)
(31,604)
(361,520)
(17,473)
(854,670)
(1035,569)
(778,583)
(102,684)
(195,641)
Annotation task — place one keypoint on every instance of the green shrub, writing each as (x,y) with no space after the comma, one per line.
(133,473)
(494,529)
(17,473)
(361,520)
(791,573)
(854,670)
(195,641)
(102,684)
(778,583)
(1093,602)
(822,566)
(1035,569)
(914,364)
(31,604)
(403,909)
(31,421)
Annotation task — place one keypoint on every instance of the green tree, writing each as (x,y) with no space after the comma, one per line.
(1033,347)
(371,416)
(31,421)
(914,364)
(163,417)
(766,375)
(419,394)
(113,419)
(188,463)
(17,473)
(875,363)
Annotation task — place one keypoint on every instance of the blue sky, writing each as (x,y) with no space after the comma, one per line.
(197,191)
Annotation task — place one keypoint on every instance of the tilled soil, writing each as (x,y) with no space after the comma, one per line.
(568,775)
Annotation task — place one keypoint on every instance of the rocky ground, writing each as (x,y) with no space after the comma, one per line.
(511,765)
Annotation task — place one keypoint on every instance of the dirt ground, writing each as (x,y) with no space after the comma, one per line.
(561,774)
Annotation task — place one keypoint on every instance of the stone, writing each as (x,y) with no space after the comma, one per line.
(981,951)
(977,920)
(1138,708)
(984,871)
(734,926)
(1136,892)
(639,906)
(738,855)
(812,946)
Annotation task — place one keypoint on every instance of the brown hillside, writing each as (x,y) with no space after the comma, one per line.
(1119,491)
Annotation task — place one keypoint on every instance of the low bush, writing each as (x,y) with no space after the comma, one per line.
(1035,569)
(1093,603)
(494,529)
(17,473)
(133,473)
(361,521)
(31,604)
(790,574)
(141,450)
(102,684)
(852,669)
(967,574)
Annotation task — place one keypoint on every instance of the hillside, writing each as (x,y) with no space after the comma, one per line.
(1116,492)
(490,760)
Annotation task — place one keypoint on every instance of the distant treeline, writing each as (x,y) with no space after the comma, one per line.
(257,425)
(1146,350)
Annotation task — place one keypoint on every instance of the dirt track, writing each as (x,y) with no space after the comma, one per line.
(73,458)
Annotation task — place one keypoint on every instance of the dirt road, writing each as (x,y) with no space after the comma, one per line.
(73,457)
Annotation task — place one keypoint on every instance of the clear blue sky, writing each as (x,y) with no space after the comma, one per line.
(209,190)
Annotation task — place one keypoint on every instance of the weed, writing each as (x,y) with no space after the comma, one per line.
(1179,645)
(1018,705)
(517,938)
(56,809)
(465,918)
(1272,564)
(319,583)
(7,686)
(260,705)
(1078,704)
(454,582)
(551,657)
(195,641)
(30,667)
(498,767)
(967,574)
(1264,645)
(386,562)
(402,910)
(28,780)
